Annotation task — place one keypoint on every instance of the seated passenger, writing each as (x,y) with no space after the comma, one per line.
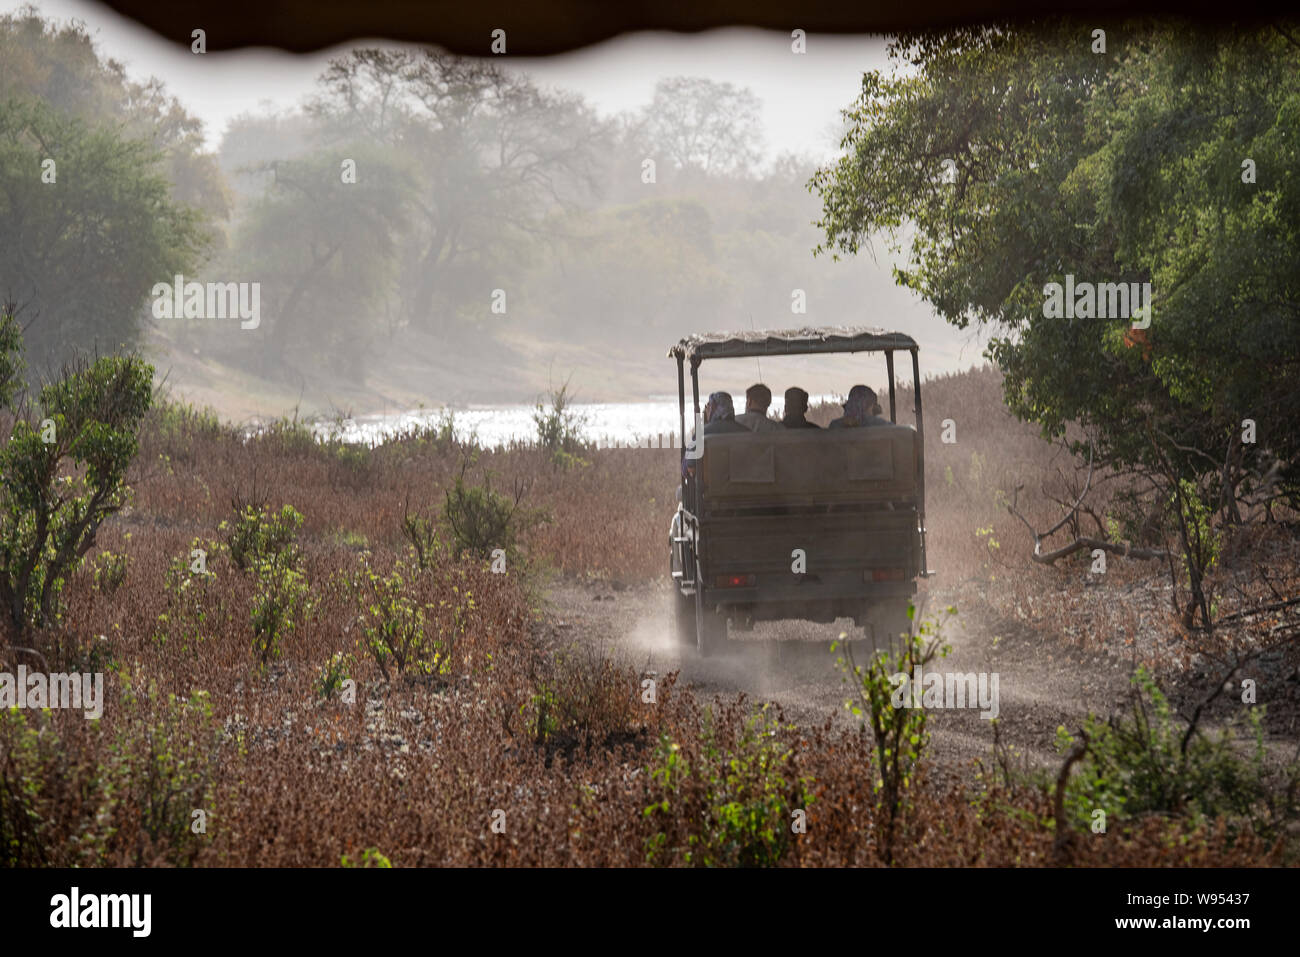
(757,399)
(719,417)
(796,410)
(857,410)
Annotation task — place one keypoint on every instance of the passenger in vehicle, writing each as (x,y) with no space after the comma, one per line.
(857,410)
(719,417)
(758,398)
(796,410)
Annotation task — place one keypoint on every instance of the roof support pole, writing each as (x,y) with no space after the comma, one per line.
(699,438)
(920,458)
(681,404)
(695,385)
(889,363)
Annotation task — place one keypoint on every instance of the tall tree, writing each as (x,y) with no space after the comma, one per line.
(324,249)
(90,226)
(703,125)
(59,64)
(491,155)
(1010,157)
(1021,157)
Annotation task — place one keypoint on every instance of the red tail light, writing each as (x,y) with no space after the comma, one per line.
(884,575)
(734,581)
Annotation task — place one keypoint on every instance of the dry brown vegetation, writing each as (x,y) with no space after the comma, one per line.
(554,745)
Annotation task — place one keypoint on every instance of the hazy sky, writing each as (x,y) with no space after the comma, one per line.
(802,94)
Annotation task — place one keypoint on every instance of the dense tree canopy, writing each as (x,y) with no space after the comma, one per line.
(58,64)
(105,189)
(382,217)
(1114,162)
(85,236)
(325,285)
(469,178)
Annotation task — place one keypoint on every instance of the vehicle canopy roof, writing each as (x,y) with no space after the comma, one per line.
(789,342)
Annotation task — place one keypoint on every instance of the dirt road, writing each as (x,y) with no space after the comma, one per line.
(1040,686)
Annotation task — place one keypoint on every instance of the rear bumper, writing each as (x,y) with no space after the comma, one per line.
(812,600)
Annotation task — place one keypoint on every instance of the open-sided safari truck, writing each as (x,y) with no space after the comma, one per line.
(813,524)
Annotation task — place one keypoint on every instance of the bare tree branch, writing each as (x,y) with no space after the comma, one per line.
(1124,549)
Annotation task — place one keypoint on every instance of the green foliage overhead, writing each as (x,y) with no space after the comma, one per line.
(1122,166)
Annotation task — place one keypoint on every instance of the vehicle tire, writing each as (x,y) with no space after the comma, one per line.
(710,628)
(889,634)
(683,619)
(683,606)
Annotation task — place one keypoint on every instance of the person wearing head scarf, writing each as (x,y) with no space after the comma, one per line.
(857,410)
(719,416)
(796,410)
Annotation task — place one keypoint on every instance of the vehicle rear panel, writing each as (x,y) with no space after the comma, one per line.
(846,499)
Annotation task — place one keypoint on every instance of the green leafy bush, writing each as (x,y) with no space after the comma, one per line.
(54,800)
(76,793)
(195,611)
(289,435)
(11,359)
(395,626)
(480,520)
(110,571)
(900,734)
(1151,762)
(543,713)
(423,536)
(176,429)
(265,543)
(333,673)
(62,473)
(370,857)
(257,535)
(727,800)
(559,429)
(282,599)
(166,767)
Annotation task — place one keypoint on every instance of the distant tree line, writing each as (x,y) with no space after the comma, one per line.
(414,195)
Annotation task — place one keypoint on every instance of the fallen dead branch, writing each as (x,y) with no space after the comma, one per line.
(1082,542)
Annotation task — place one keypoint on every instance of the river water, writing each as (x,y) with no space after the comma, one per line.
(606,423)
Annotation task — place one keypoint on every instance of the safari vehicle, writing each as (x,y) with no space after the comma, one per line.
(813,524)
